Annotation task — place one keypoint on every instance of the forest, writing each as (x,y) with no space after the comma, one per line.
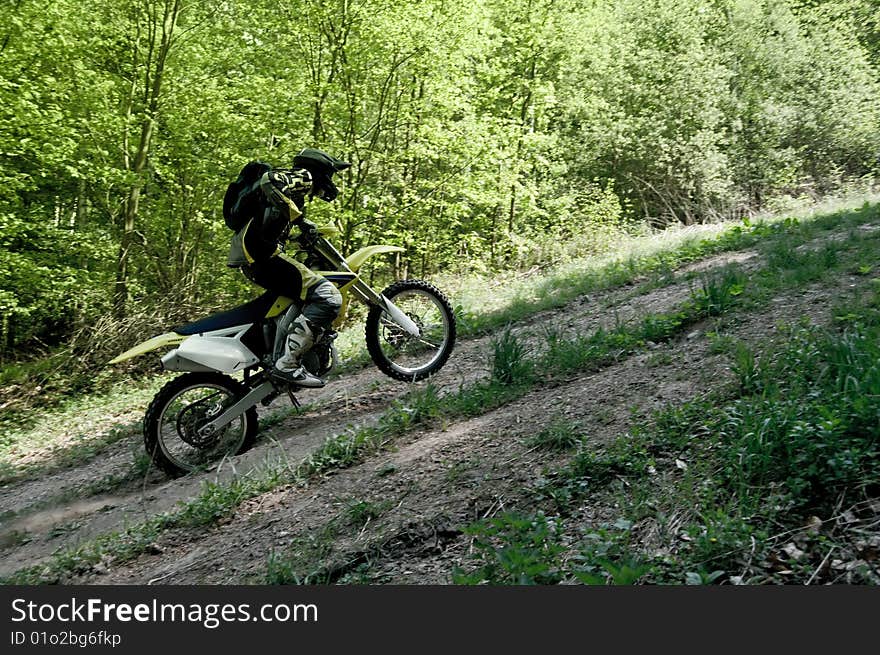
(651,228)
(484,135)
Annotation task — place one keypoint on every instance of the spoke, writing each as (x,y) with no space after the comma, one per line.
(408,338)
(421,315)
(191,407)
(408,352)
(396,326)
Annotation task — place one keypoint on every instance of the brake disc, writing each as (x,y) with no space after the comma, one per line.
(192,418)
(396,335)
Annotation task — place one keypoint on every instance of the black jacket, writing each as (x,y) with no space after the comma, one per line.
(261,237)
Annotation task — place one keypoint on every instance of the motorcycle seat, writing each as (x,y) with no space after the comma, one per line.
(250,312)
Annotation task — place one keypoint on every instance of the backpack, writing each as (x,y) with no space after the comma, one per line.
(244,199)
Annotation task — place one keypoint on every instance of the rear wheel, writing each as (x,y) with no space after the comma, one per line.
(182,407)
(397,353)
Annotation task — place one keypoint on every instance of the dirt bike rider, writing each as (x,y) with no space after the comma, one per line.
(257,250)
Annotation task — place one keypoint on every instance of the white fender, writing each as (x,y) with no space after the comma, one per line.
(220,350)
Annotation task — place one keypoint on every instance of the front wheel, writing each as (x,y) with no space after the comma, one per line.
(172,424)
(397,353)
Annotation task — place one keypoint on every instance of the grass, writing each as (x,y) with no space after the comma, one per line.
(514,550)
(301,562)
(798,441)
(560,436)
(76,432)
(517,549)
(288,566)
(513,375)
(509,361)
(488,302)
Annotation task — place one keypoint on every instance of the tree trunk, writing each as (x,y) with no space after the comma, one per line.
(81,216)
(153,83)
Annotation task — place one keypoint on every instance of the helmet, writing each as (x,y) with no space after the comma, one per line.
(322,167)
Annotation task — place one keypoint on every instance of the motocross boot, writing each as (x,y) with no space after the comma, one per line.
(289,366)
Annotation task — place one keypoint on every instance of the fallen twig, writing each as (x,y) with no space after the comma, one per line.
(820,567)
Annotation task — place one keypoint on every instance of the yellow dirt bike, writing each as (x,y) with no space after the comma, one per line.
(200,417)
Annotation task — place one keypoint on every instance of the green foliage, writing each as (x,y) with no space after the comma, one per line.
(715,107)
(500,134)
(718,291)
(560,435)
(485,395)
(514,549)
(800,439)
(810,428)
(509,363)
(529,549)
(593,469)
(216,501)
(594,566)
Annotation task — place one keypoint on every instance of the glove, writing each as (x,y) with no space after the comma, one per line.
(308,232)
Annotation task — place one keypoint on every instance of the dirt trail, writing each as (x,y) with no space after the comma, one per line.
(439,480)
(51,512)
